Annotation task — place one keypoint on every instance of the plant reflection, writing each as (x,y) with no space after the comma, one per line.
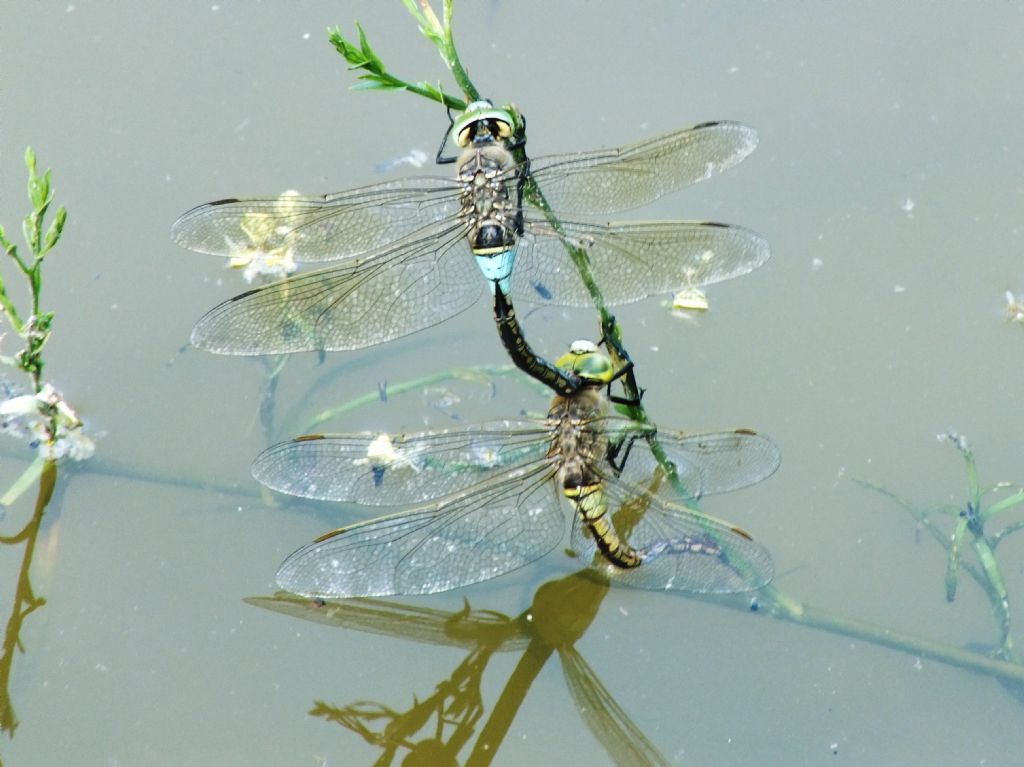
(25,599)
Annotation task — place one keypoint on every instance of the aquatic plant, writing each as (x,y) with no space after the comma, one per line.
(37,414)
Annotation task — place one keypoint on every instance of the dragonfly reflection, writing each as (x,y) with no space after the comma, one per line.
(485,499)
(404,249)
(442,725)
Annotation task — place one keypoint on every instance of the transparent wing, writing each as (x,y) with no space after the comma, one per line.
(605,180)
(419,281)
(613,728)
(682,549)
(632,261)
(396,470)
(706,462)
(322,228)
(476,535)
(465,628)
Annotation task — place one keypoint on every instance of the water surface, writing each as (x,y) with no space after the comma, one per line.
(889,183)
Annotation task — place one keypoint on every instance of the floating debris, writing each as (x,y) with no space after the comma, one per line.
(690,299)
(417,158)
(1014,308)
(687,304)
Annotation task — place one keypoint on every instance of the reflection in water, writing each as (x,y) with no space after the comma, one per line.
(437,728)
(25,599)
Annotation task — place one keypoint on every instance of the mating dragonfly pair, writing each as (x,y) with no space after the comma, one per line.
(404,250)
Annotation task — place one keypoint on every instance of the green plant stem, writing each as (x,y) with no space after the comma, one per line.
(124,470)
(998,537)
(1000,506)
(924,519)
(451,56)
(376,76)
(970,524)
(460,374)
(21,485)
(10,310)
(784,607)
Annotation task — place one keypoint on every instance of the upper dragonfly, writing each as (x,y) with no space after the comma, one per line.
(405,248)
(485,499)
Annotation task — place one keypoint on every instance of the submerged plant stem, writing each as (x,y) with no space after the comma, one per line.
(459,374)
(812,617)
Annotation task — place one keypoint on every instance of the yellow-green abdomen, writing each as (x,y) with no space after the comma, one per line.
(589,501)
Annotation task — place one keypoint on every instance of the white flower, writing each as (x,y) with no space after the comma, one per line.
(33,417)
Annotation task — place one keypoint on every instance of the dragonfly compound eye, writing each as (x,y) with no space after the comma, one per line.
(585,361)
(482,119)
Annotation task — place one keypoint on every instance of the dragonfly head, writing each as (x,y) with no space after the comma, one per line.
(481,123)
(585,361)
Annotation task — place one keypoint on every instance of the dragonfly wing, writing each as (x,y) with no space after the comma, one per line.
(706,463)
(605,180)
(423,279)
(417,623)
(474,536)
(632,261)
(610,725)
(321,228)
(376,469)
(681,549)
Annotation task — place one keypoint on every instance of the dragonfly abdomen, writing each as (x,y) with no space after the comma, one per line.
(589,501)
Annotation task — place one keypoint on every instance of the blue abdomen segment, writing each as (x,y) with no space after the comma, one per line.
(497,268)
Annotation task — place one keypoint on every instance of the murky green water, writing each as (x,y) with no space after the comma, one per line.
(889,183)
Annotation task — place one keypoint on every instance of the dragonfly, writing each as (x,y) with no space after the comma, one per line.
(400,254)
(486,499)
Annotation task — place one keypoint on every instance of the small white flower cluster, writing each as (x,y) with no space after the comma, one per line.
(959,441)
(32,416)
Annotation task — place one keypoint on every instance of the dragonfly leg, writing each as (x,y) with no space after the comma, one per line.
(630,385)
(614,451)
(625,372)
(519,138)
(439,158)
(522,174)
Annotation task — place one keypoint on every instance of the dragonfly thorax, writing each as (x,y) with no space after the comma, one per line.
(577,442)
(488,205)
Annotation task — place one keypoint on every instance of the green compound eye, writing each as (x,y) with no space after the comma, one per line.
(584,359)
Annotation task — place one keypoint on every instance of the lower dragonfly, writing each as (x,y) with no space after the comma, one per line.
(485,499)
(403,251)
